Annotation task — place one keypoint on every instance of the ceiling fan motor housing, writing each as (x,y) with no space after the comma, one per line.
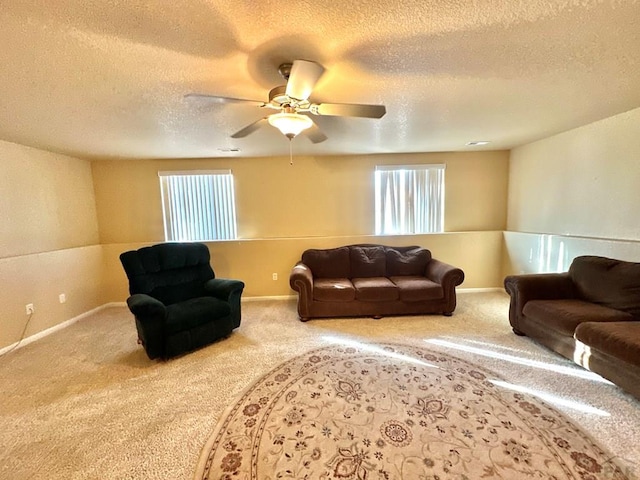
(279,96)
(285,70)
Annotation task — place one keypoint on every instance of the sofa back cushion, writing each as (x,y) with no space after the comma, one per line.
(328,263)
(407,261)
(609,282)
(367,261)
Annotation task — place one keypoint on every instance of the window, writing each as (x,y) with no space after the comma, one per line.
(198,205)
(409,199)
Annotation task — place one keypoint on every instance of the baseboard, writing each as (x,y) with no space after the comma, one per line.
(55,328)
(295,296)
(65,324)
(114,304)
(479,290)
(272,297)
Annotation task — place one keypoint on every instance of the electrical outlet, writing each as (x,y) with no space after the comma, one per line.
(29,308)
(274,276)
(62,297)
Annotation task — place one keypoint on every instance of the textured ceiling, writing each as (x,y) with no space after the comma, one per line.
(107,78)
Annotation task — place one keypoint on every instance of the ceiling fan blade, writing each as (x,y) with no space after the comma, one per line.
(249,129)
(217,99)
(315,134)
(303,77)
(348,110)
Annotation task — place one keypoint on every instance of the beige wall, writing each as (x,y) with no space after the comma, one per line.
(64,221)
(48,240)
(47,202)
(575,193)
(316,197)
(254,261)
(316,203)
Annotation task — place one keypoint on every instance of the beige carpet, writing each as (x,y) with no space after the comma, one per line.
(86,403)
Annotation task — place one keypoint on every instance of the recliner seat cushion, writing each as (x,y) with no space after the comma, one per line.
(618,339)
(192,313)
(410,262)
(333,290)
(178,292)
(609,282)
(375,289)
(329,263)
(563,316)
(367,261)
(417,289)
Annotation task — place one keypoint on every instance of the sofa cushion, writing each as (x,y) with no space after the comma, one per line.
(375,289)
(609,282)
(410,262)
(333,290)
(563,316)
(619,339)
(329,263)
(368,261)
(417,288)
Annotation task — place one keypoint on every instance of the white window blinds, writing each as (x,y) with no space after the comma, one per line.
(198,205)
(409,199)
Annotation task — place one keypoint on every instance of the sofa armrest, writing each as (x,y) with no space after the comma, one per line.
(301,281)
(448,277)
(535,286)
(443,273)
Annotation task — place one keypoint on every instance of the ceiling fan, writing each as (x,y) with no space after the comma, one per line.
(292,103)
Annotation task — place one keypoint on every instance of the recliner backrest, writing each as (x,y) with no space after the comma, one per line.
(169,272)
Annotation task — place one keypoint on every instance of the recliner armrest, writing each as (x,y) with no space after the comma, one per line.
(223,288)
(228,290)
(150,315)
(143,306)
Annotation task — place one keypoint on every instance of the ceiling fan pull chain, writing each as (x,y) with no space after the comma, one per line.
(290,152)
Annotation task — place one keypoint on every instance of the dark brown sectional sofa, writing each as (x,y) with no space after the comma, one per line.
(590,314)
(373,280)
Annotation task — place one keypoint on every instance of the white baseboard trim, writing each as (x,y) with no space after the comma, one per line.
(65,324)
(271,297)
(479,290)
(55,328)
(295,296)
(114,304)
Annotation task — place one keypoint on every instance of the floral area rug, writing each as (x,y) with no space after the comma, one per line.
(394,412)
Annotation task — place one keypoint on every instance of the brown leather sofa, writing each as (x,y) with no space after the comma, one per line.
(590,314)
(373,280)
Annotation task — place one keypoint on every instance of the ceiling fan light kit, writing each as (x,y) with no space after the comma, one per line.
(292,99)
(289,122)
